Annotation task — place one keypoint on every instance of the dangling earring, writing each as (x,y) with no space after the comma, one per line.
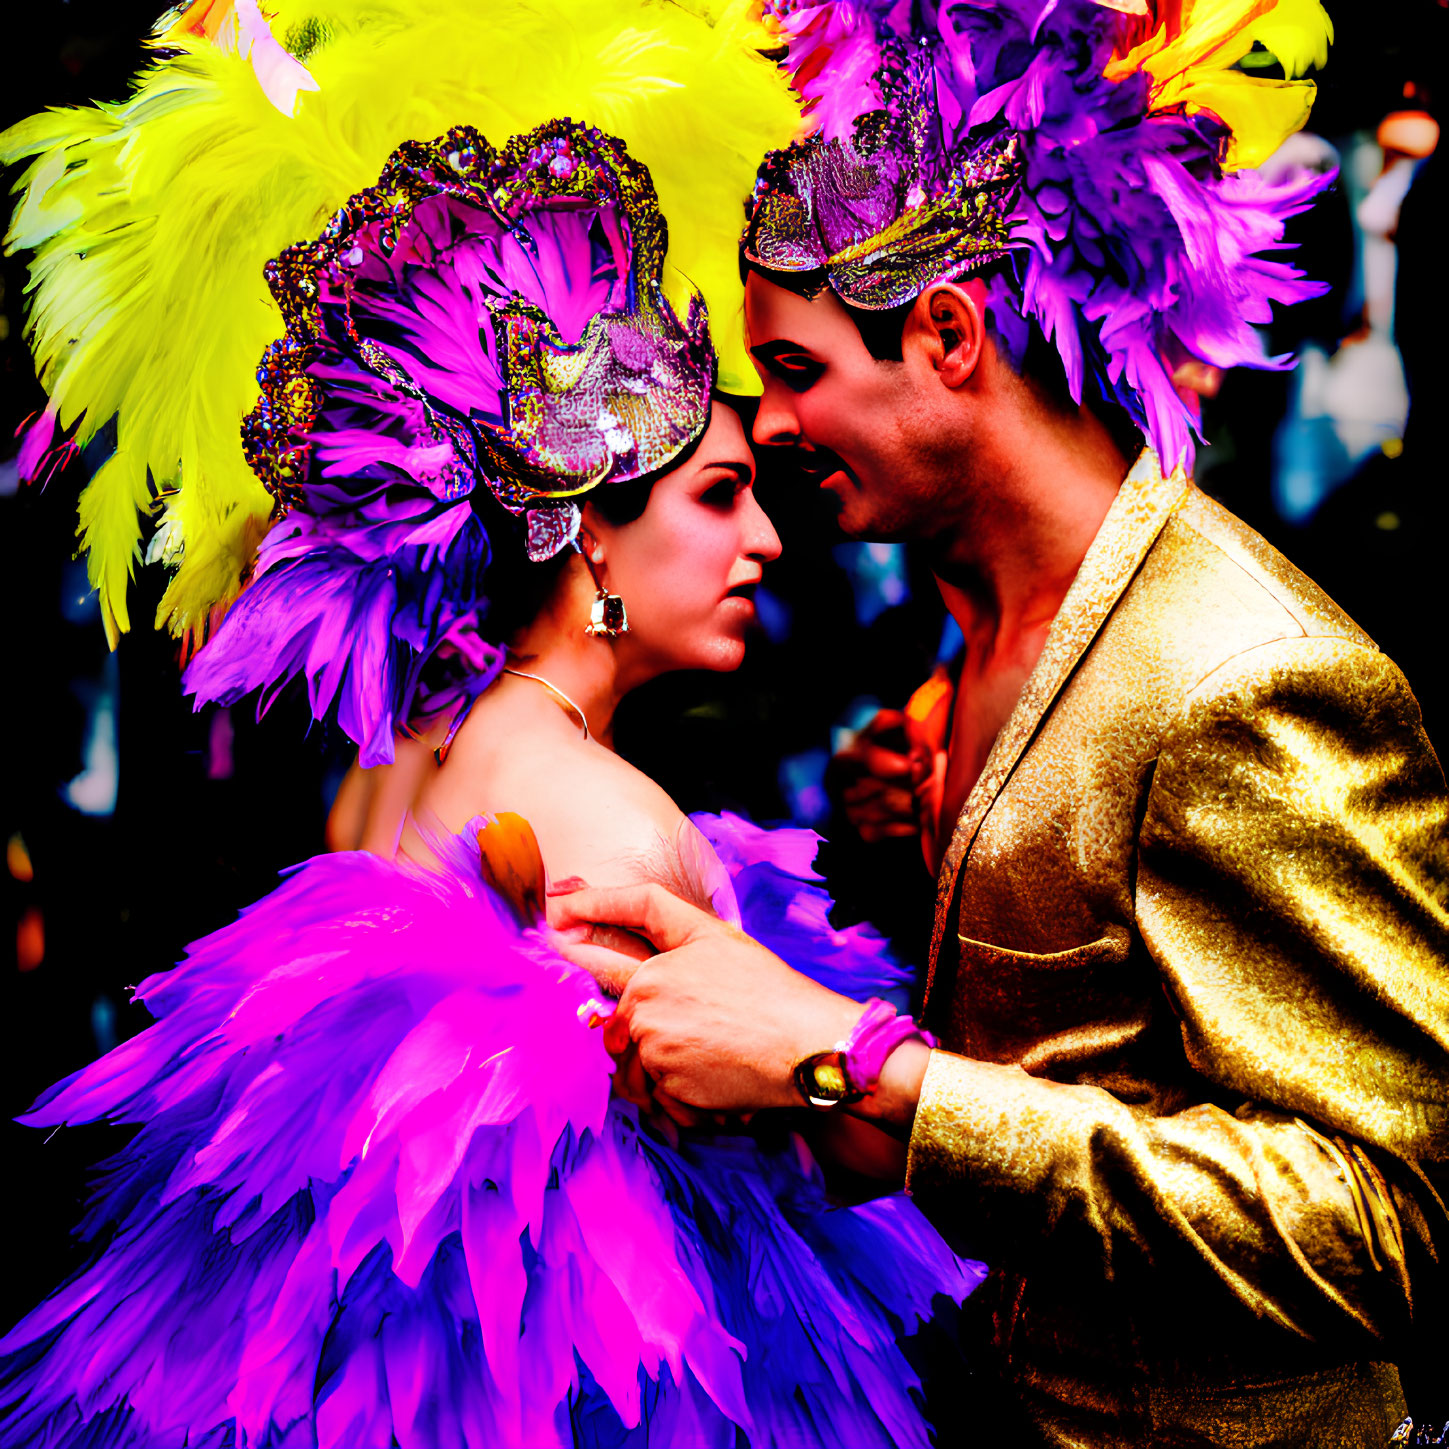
(608,618)
(608,615)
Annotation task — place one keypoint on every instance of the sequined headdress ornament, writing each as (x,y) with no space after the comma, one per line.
(883,210)
(1104,146)
(484,317)
(477,319)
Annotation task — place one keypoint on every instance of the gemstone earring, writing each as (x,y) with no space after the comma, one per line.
(608,617)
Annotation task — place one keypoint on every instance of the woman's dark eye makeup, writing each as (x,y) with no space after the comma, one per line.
(723,489)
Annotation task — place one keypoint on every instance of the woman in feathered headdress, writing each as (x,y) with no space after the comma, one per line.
(387,1187)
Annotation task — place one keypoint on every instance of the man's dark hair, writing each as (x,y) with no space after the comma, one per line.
(1039,363)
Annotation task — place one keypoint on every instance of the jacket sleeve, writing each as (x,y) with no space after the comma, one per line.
(1291,888)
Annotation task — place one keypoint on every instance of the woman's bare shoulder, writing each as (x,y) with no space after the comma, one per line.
(594,814)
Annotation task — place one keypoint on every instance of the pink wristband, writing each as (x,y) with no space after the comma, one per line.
(875,1036)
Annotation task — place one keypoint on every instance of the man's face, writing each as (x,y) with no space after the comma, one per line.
(863,429)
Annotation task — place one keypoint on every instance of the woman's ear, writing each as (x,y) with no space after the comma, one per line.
(948,323)
(589,544)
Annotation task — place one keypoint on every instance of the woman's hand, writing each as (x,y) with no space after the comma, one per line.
(718,1021)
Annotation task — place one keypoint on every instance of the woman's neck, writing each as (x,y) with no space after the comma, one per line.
(586,668)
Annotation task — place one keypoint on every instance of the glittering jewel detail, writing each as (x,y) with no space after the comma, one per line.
(1100,144)
(552,527)
(882,212)
(608,617)
(501,317)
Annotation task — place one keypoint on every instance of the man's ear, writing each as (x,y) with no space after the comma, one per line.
(949,323)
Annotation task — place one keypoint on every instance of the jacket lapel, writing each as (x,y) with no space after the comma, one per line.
(1138,514)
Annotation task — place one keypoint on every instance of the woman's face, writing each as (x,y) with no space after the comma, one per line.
(687,567)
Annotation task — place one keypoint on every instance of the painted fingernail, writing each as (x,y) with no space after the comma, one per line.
(595,1012)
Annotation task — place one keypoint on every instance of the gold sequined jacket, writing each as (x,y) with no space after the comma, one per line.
(1191,976)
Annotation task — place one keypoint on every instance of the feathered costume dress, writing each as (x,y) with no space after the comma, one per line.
(382,1195)
(381,1192)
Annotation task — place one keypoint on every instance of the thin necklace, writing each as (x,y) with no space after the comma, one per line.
(554,689)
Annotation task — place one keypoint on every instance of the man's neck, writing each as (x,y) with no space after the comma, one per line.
(1031,514)
(1004,573)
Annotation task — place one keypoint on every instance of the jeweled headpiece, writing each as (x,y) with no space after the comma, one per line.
(1101,145)
(884,210)
(478,319)
(483,317)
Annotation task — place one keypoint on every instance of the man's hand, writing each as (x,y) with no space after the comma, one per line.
(718,1021)
(876,781)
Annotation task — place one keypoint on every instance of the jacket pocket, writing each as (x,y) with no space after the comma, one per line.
(1038,1008)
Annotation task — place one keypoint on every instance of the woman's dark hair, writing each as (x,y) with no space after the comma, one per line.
(517,587)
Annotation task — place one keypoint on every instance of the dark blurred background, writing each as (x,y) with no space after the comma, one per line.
(133,825)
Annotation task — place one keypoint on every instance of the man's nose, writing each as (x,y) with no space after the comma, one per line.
(775,419)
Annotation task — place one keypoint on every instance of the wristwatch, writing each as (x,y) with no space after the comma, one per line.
(822,1082)
(850,1071)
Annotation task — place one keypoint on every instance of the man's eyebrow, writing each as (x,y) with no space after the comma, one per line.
(769,351)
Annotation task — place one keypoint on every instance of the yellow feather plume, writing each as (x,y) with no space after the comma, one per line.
(151,221)
(1191,58)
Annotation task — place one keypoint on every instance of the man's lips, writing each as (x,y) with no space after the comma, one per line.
(820,465)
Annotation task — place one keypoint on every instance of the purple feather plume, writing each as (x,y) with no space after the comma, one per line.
(1133,249)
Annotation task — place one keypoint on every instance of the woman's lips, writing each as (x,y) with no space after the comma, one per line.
(741,600)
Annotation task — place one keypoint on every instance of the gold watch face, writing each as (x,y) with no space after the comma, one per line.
(830,1080)
(822,1082)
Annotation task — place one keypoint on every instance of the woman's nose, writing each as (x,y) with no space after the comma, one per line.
(775,419)
(761,540)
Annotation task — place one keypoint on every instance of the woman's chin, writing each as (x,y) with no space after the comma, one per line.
(721,654)
(729,654)
(724,654)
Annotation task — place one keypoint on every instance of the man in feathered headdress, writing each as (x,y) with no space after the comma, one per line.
(1192,926)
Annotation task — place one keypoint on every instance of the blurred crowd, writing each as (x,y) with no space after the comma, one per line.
(133,825)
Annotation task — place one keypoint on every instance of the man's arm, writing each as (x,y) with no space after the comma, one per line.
(718,1020)
(1292,875)
(1294,863)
